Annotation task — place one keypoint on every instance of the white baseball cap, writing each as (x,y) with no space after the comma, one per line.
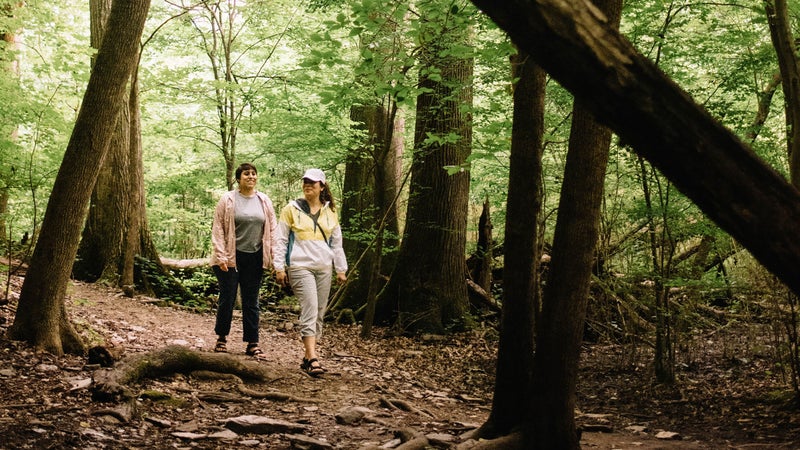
(314,175)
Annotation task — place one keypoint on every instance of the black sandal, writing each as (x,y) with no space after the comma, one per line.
(220,347)
(311,369)
(254,351)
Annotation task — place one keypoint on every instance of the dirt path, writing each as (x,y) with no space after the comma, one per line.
(440,388)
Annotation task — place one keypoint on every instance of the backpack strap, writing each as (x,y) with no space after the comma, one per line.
(306,208)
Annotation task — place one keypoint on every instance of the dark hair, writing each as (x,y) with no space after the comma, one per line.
(242,167)
(326,196)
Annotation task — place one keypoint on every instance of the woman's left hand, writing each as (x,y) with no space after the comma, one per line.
(341,277)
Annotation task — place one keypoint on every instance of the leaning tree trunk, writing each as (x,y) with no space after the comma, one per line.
(41,317)
(100,254)
(116,231)
(521,260)
(427,287)
(102,251)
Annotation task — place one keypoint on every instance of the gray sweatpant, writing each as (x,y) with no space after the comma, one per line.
(312,288)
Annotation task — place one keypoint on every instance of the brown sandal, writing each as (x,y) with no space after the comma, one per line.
(254,351)
(221,347)
(310,368)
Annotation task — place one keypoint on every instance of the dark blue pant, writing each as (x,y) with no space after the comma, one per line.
(246,275)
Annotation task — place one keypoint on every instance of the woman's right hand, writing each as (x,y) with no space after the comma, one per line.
(280,277)
(223,267)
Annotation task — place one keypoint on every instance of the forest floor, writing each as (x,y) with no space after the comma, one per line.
(728,397)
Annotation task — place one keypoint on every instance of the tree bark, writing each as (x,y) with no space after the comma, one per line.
(136,221)
(427,287)
(560,330)
(628,93)
(100,253)
(116,230)
(370,185)
(521,266)
(481,272)
(41,317)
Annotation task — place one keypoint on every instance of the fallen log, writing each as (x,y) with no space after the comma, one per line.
(179,264)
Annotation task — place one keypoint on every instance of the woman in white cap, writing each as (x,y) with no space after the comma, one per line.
(308,249)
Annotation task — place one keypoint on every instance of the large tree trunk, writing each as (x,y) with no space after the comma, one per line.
(521,262)
(116,229)
(627,92)
(566,295)
(365,205)
(427,287)
(103,239)
(41,317)
(560,330)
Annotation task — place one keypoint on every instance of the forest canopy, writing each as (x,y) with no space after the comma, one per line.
(298,69)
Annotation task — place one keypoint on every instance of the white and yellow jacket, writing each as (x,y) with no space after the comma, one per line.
(301,243)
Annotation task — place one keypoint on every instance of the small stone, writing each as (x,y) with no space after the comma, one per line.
(669,435)
(440,439)
(161,423)
(224,435)
(636,429)
(189,436)
(305,442)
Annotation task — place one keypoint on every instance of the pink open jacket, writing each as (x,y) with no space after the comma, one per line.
(223,231)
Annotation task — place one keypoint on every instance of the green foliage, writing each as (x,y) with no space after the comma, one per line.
(293,75)
(200,282)
(42,75)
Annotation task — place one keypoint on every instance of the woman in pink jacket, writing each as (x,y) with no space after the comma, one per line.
(243,239)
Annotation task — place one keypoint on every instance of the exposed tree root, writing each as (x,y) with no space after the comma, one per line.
(114,384)
(276,396)
(508,442)
(393,403)
(418,443)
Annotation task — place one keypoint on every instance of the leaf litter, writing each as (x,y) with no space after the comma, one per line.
(376,393)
